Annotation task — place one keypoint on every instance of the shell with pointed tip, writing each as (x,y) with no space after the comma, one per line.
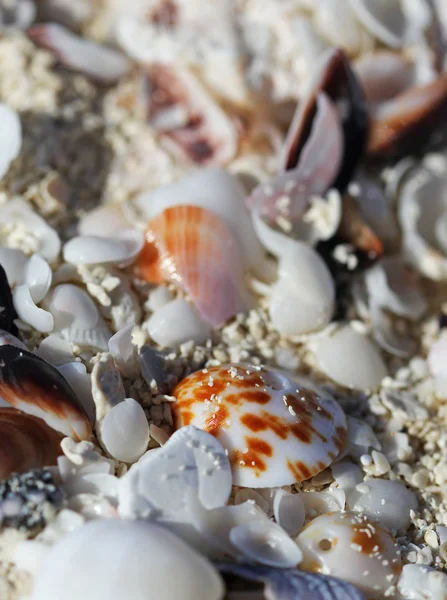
(35,387)
(121,249)
(196,249)
(98,557)
(102,64)
(276,431)
(26,443)
(351,547)
(10,136)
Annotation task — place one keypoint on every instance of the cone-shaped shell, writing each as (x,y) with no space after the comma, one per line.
(276,431)
(33,386)
(26,443)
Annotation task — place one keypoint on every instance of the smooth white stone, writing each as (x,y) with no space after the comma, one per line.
(177,322)
(125,431)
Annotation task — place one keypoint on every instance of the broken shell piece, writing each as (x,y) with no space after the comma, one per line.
(100,555)
(190,461)
(353,548)
(123,352)
(196,249)
(40,319)
(13,261)
(177,322)
(188,117)
(320,503)
(10,136)
(266,543)
(76,317)
(289,511)
(123,249)
(302,300)
(124,431)
(276,431)
(75,373)
(102,64)
(350,359)
(107,220)
(55,350)
(418,582)
(388,502)
(38,277)
(8,314)
(107,386)
(35,387)
(26,443)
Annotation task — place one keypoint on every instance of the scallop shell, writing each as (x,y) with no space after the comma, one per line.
(177,322)
(291,584)
(10,136)
(123,249)
(8,314)
(353,548)
(26,443)
(196,249)
(276,431)
(124,431)
(35,387)
(98,557)
(102,64)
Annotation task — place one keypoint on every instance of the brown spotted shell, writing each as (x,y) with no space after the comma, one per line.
(31,385)
(276,431)
(26,443)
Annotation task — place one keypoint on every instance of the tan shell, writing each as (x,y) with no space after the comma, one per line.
(26,442)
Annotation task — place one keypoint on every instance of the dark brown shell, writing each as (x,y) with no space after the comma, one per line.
(340,83)
(7,312)
(31,385)
(26,443)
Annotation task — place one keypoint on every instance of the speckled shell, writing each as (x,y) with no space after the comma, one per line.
(276,431)
(32,385)
(26,442)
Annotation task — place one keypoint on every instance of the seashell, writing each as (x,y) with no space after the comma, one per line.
(13,262)
(408,121)
(102,64)
(17,15)
(153,369)
(291,584)
(276,431)
(159,298)
(35,387)
(350,359)
(107,386)
(38,277)
(7,338)
(75,373)
(289,511)
(124,431)
(346,474)
(123,249)
(90,507)
(107,220)
(18,213)
(191,462)
(196,249)
(99,484)
(353,548)
(55,350)
(249,495)
(26,443)
(355,230)
(76,317)
(320,503)
(8,314)
(383,75)
(388,502)
(122,350)
(266,543)
(188,117)
(177,322)
(100,555)
(40,319)
(10,136)
(418,582)
(303,298)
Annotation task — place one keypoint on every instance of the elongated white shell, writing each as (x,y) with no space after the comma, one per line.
(303,298)
(88,249)
(177,322)
(38,277)
(40,319)
(350,359)
(276,431)
(107,220)
(289,511)
(112,560)
(125,431)
(10,137)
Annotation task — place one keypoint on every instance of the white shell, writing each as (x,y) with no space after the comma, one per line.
(99,557)
(100,484)
(17,212)
(10,136)
(76,317)
(419,582)
(125,431)
(289,511)
(191,461)
(27,310)
(303,298)
(177,322)
(277,431)
(38,277)
(56,351)
(216,190)
(107,386)
(388,502)
(350,359)
(13,261)
(89,250)
(352,548)
(123,351)
(437,364)
(266,543)
(75,373)
(106,220)
(320,503)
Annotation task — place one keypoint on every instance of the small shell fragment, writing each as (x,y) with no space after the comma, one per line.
(107,386)
(38,277)
(177,322)
(10,136)
(276,431)
(289,511)
(13,261)
(124,431)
